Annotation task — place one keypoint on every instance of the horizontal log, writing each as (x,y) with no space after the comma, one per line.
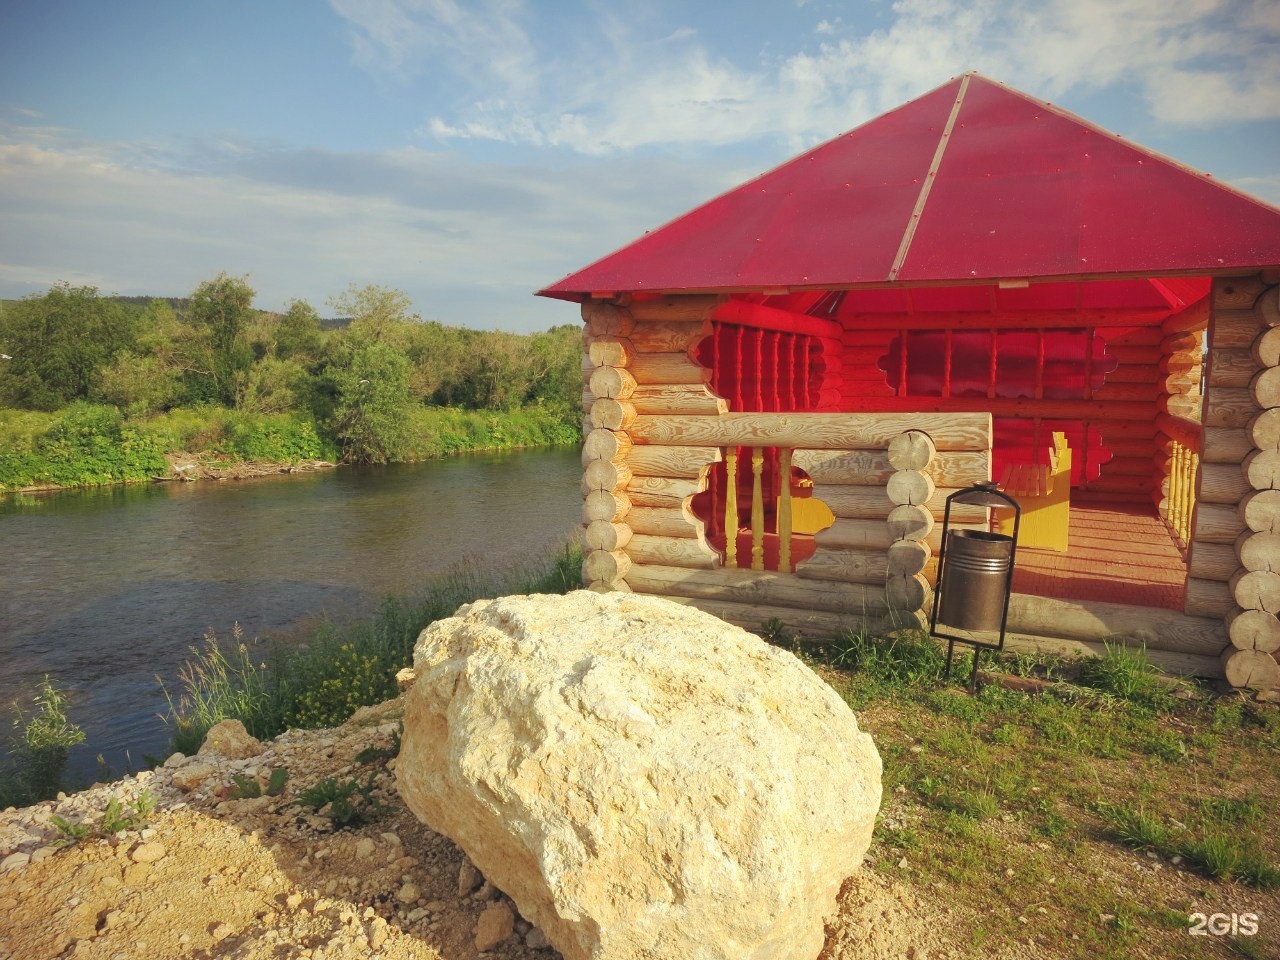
(1222,483)
(1263,430)
(907,593)
(1136,354)
(910,487)
(678,307)
(1213,561)
(1267,306)
(613,382)
(759,588)
(605,475)
(911,450)
(1134,373)
(961,468)
(1216,523)
(1183,383)
(1128,467)
(685,462)
(684,552)
(1235,328)
(1126,391)
(1256,590)
(1264,388)
(1229,407)
(600,586)
(1236,293)
(1260,511)
(1180,364)
(1113,411)
(609,505)
(1251,669)
(910,522)
(759,316)
(677,488)
(1096,621)
(610,351)
(1194,317)
(1208,598)
(667,336)
(679,399)
(603,535)
(807,623)
(1265,350)
(1253,630)
(1181,405)
(651,368)
(606,319)
(850,566)
(839,431)
(1258,551)
(609,414)
(1261,468)
(605,445)
(1109,319)
(1225,445)
(605,565)
(676,521)
(1231,367)
(872,503)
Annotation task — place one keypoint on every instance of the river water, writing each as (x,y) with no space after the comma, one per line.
(106,590)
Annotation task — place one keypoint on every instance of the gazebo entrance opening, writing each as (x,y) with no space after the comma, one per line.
(1105,376)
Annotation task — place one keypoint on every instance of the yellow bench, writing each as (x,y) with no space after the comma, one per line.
(1043,490)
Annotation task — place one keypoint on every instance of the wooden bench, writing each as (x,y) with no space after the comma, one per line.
(1043,490)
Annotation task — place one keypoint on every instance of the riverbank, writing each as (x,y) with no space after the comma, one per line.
(214,873)
(88,445)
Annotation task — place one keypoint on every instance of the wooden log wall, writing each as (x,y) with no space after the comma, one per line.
(887,504)
(1120,411)
(656,429)
(1235,556)
(636,501)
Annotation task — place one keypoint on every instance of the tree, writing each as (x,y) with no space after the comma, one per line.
(370,383)
(223,307)
(58,343)
(378,312)
(298,335)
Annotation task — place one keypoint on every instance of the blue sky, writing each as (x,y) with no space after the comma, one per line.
(471,152)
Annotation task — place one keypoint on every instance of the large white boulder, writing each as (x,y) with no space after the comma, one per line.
(641,778)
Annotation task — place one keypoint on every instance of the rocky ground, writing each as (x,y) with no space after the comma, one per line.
(212,875)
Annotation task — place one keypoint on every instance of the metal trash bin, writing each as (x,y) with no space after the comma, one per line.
(976,580)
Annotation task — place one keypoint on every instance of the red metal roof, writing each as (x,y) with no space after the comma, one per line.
(973,181)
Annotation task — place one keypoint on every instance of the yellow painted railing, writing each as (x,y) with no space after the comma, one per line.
(1185,443)
(783,511)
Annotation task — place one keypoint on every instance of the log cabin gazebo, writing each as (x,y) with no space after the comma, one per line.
(784,384)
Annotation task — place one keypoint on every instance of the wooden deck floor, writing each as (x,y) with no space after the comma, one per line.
(1117,552)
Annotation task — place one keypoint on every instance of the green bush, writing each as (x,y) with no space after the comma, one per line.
(85,445)
(37,757)
(339,668)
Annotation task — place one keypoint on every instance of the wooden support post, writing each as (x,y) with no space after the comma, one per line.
(731,507)
(757,509)
(784,510)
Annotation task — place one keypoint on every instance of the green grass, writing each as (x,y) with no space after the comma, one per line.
(1104,760)
(322,680)
(33,764)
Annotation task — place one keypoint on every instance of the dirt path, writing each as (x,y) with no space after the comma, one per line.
(266,878)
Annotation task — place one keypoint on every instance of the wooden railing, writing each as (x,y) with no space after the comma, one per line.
(1184,442)
(782,511)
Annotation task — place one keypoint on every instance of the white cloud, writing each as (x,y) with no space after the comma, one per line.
(612,85)
(469,242)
